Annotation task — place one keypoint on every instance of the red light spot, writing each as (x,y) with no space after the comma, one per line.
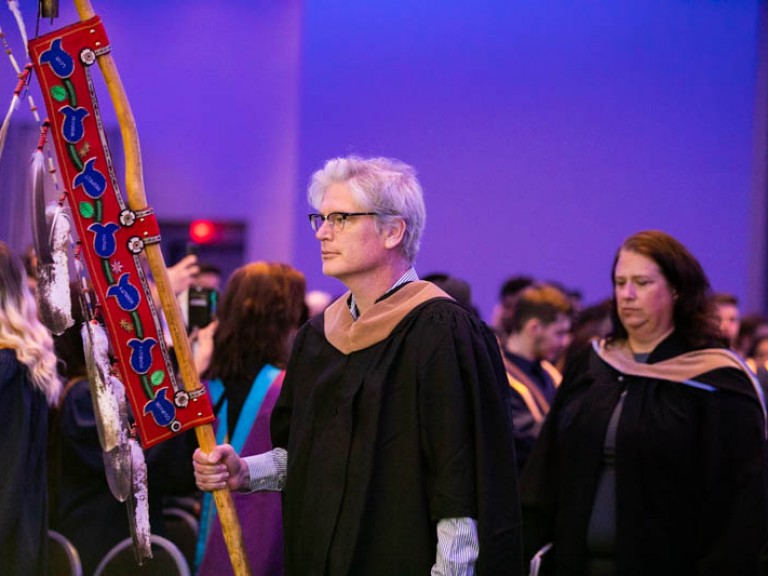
(202,231)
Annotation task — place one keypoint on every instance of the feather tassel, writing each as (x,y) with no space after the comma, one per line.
(118,461)
(7,121)
(14,7)
(39,221)
(53,278)
(105,403)
(51,230)
(138,507)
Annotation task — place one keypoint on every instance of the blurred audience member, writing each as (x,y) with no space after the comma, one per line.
(752,326)
(257,320)
(317,301)
(758,361)
(574,295)
(28,385)
(180,276)
(592,322)
(505,307)
(208,276)
(729,316)
(29,259)
(456,288)
(759,353)
(539,332)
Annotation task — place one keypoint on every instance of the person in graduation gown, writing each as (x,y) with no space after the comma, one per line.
(393,445)
(539,332)
(29,385)
(256,323)
(652,460)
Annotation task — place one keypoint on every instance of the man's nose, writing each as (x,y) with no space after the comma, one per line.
(325,231)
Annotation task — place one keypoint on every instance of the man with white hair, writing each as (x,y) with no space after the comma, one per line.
(392,443)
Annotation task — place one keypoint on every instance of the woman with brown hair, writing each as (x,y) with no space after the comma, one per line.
(28,386)
(652,459)
(256,321)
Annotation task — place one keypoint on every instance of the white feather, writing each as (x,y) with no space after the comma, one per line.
(59,294)
(117,462)
(60,226)
(14,6)
(105,403)
(7,121)
(53,277)
(142,534)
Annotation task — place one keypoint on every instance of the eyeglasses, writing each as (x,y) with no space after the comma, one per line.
(336,220)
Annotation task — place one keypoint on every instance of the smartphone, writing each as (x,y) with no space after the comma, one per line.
(201,307)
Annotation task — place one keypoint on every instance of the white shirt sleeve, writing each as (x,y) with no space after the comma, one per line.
(457,547)
(267,470)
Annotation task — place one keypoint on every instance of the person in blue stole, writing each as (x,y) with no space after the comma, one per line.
(258,316)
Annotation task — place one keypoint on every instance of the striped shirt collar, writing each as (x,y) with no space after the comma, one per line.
(409,276)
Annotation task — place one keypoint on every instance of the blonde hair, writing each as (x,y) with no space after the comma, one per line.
(21,329)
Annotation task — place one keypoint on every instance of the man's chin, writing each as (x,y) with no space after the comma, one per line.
(330,270)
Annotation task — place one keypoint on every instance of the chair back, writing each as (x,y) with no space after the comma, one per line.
(63,558)
(181,528)
(167,560)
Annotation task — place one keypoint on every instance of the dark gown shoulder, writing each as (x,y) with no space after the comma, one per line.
(9,364)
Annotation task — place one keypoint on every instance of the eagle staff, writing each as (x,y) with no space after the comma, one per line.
(136,198)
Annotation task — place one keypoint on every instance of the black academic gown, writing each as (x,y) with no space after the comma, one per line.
(23,479)
(690,471)
(398,424)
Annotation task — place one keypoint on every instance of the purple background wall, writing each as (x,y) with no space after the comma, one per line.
(544,132)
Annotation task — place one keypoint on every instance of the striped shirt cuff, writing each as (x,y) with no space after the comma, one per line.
(457,547)
(267,470)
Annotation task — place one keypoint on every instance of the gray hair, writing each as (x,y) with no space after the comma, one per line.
(383,185)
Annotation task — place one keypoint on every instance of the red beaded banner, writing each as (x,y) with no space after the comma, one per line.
(112,235)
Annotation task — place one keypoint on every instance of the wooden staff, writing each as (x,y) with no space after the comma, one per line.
(137,200)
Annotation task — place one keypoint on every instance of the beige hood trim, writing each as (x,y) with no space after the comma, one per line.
(376,324)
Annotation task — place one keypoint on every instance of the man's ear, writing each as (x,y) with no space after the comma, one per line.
(532,326)
(394,232)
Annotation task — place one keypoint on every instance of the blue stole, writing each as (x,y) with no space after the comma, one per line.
(245,421)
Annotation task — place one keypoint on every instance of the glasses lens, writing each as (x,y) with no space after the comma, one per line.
(336,220)
(315,220)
